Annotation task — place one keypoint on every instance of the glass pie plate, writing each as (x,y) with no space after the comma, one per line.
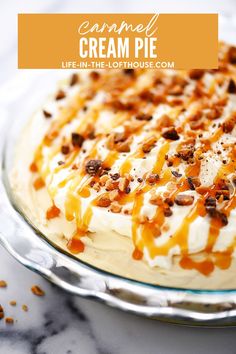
(30,247)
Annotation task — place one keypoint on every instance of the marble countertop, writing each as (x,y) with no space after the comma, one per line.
(59,323)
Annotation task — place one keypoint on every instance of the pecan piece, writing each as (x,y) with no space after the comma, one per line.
(176,174)
(210,202)
(77,139)
(218,215)
(193,182)
(183,199)
(65,149)
(232,87)
(196,74)
(74,79)
(143,116)
(232,55)
(170,134)
(214,113)
(164,122)
(47,114)
(60,95)
(103,201)
(149,144)
(152,178)
(123,184)
(94,75)
(93,167)
(115,208)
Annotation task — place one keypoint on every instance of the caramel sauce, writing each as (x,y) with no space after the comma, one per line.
(75,245)
(38,183)
(161,158)
(205,267)
(137,255)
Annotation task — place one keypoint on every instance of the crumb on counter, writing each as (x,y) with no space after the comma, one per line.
(36,290)
(3,284)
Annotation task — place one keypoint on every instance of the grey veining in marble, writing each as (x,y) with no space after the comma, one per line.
(63,324)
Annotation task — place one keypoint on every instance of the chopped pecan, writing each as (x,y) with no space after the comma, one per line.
(122,106)
(232,55)
(94,75)
(167,211)
(210,202)
(36,290)
(196,125)
(232,87)
(65,149)
(229,124)
(115,176)
(156,199)
(111,185)
(170,134)
(103,180)
(77,139)
(115,207)
(176,174)
(1,312)
(149,144)
(93,167)
(123,184)
(183,199)
(169,201)
(47,114)
(234,180)
(60,95)
(114,195)
(218,215)
(103,201)
(214,113)
(130,72)
(152,178)
(186,153)
(164,122)
(74,79)
(176,90)
(223,193)
(119,137)
(3,284)
(144,116)
(119,142)
(193,182)
(196,74)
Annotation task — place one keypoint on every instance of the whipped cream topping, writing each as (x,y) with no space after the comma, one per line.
(147,154)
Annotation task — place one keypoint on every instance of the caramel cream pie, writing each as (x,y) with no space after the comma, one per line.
(134,171)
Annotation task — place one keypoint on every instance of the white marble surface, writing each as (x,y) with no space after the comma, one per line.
(60,323)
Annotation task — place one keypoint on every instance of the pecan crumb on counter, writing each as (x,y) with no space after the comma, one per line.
(3,284)
(1,312)
(9,320)
(36,290)
(25,308)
